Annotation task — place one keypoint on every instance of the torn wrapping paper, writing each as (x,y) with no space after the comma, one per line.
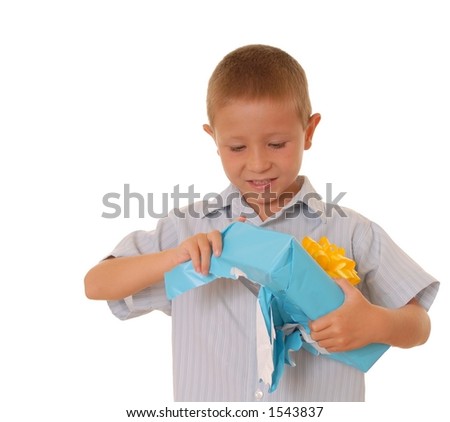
(294,290)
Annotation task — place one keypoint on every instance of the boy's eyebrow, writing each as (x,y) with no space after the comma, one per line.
(268,135)
(279,134)
(234,138)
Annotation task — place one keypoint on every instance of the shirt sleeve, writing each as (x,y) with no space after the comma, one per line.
(390,277)
(139,243)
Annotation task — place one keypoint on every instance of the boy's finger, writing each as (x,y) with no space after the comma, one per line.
(204,247)
(320,324)
(194,254)
(215,239)
(322,335)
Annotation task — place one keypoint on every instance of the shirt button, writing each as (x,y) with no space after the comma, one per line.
(259,394)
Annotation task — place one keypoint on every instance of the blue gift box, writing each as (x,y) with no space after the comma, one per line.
(294,290)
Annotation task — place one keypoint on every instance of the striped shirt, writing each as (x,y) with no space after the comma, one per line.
(214,327)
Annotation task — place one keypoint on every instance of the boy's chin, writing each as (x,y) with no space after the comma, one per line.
(263,204)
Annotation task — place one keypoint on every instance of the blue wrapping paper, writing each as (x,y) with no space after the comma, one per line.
(294,290)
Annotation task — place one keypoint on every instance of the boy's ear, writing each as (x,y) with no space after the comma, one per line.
(208,129)
(310,128)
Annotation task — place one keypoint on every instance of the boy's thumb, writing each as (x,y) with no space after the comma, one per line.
(345,285)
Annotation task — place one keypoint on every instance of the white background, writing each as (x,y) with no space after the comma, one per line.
(97,94)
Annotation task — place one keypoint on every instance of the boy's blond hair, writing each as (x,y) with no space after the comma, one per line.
(256,72)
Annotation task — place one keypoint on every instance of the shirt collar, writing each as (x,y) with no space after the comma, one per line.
(232,199)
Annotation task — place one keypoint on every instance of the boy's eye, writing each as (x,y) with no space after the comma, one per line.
(237,148)
(277,145)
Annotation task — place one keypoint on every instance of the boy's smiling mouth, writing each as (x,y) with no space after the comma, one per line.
(260,184)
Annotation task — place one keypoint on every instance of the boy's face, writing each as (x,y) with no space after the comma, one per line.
(261,144)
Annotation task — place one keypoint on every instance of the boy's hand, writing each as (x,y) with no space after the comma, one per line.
(351,326)
(198,248)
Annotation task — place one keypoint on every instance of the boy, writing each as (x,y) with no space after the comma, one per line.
(260,120)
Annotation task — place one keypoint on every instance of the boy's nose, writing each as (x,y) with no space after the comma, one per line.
(258,162)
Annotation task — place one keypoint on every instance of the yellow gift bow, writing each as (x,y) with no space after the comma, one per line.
(332,259)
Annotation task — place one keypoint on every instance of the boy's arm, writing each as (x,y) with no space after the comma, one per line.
(117,278)
(358,323)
